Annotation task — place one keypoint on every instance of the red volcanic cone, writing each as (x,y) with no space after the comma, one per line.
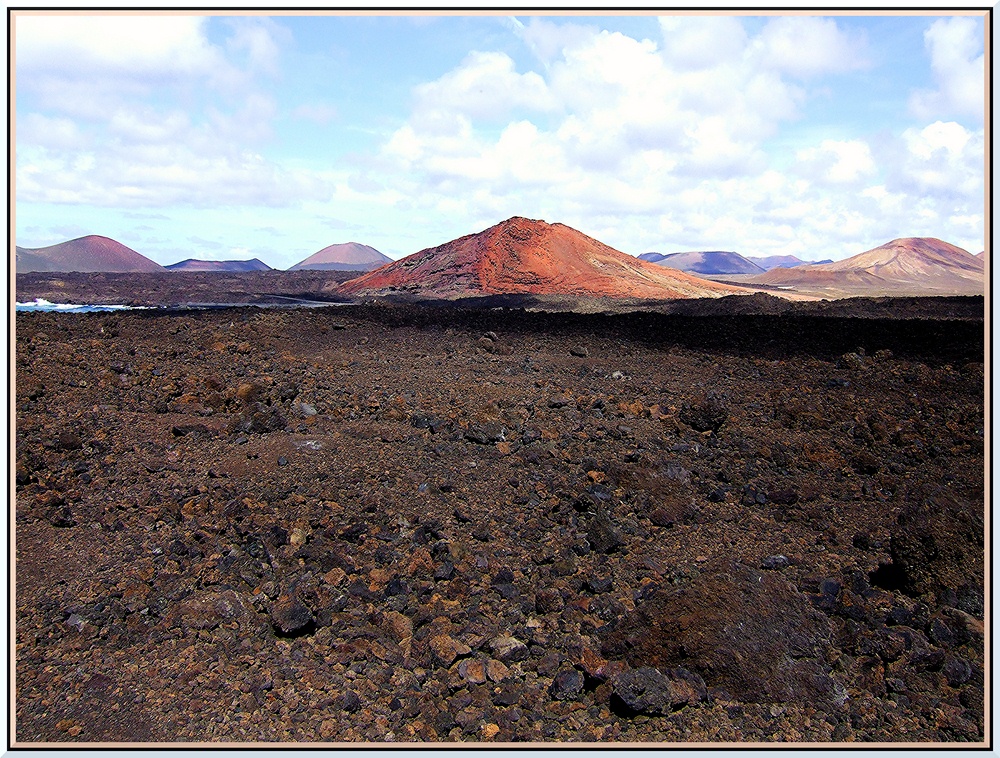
(530,257)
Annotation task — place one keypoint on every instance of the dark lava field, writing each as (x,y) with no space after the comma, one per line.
(393,523)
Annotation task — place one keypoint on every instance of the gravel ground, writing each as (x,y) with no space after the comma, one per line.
(391,524)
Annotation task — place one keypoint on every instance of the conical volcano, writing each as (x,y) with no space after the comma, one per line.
(92,253)
(524,256)
(344,256)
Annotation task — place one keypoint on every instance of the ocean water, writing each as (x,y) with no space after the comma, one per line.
(40,304)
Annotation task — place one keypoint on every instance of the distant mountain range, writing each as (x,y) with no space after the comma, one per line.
(525,256)
(705,262)
(194,264)
(906,266)
(714,262)
(767,262)
(345,256)
(90,254)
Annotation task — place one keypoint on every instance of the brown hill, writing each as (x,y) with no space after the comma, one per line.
(345,256)
(907,266)
(90,254)
(521,255)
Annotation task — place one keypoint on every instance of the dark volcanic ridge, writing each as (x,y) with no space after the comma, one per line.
(195,264)
(92,253)
(526,256)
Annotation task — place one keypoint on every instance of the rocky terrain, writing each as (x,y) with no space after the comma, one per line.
(180,287)
(392,523)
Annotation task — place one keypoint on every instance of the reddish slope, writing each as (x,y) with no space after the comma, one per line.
(910,266)
(344,256)
(87,254)
(531,257)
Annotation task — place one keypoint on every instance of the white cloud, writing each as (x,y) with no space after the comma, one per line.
(647,144)
(147,126)
(715,150)
(258,40)
(88,65)
(485,86)
(806,46)
(943,158)
(837,161)
(36,129)
(602,99)
(958,68)
(660,145)
(162,175)
(548,40)
(79,46)
(697,42)
(149,141)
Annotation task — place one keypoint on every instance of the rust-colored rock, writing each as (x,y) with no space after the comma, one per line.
(524,256)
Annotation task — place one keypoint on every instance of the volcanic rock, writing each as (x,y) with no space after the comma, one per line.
(291,616)
(657,693)
(938,547)
(153,619)
(208,609)
(748,633)
(567,684)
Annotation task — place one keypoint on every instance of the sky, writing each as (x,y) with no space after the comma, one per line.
(271,137)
